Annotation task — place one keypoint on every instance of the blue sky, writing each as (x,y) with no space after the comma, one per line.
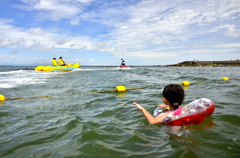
(101,32)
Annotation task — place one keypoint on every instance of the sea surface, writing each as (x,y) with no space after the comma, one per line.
(75,114)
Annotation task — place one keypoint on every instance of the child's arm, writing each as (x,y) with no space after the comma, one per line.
(149,117)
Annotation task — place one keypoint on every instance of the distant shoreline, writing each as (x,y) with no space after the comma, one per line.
(230,63)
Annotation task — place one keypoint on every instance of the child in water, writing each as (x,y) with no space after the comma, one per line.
(173,96)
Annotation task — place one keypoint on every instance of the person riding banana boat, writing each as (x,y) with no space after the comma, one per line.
(61,62)
(58,66)
(54,62)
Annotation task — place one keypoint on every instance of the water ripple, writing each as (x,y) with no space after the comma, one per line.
(107,124)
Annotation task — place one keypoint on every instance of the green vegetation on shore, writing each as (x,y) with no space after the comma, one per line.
(196,63)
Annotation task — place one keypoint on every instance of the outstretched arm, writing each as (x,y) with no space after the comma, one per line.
(148,116)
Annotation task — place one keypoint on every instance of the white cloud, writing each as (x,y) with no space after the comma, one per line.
(7,42)
(55,9)
(230,45)
(75,21)
(9,59)
(146,23)
(37,31)
(150,54)
(146,29)
(210,51)
(158,23)
(23,38)
(38,39)
(233,31)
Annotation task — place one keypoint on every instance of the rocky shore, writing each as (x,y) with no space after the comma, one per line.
(208,63)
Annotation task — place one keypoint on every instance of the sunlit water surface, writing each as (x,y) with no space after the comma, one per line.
(71,122)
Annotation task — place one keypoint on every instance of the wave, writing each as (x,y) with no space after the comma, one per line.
(67,124)
(16,78)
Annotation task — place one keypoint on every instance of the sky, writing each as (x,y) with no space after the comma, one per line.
(101,32)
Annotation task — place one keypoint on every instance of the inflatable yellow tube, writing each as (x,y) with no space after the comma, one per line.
(49,68)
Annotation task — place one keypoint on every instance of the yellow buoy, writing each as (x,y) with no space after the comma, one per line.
(122,94)
(225,78)
(186,83)
(186,88)
(2,98)
(121,89)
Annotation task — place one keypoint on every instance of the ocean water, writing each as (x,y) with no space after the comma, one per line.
(75,120)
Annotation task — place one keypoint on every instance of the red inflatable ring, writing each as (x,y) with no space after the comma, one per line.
(192,113)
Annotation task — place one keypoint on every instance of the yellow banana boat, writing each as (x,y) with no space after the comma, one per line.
(69,67)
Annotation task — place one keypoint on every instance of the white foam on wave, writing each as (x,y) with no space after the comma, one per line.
(11,72)
(13,79)
(102,69)
(6,86)
(80,69)
(125,68)
(17,78)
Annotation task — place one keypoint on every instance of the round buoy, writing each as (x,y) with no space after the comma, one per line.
(186,88)
(225,78)
(122,94)
(186,83)
(2,98)
(121,89)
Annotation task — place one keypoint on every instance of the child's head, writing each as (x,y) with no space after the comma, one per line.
(174,94)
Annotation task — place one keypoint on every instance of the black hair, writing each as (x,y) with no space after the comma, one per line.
(174,93)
